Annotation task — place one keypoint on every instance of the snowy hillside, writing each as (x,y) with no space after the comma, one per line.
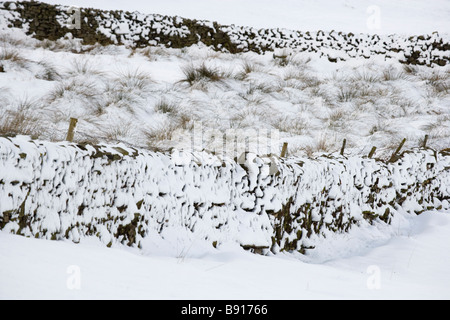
(313,92)
(179,166)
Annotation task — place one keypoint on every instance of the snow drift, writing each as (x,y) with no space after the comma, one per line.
(123,195)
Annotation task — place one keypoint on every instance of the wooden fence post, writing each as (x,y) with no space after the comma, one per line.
(372,152)
(343,146)
(425,140)
(71,131)
(284,150)
(394,155)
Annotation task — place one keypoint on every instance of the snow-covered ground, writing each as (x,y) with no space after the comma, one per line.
(142,97)
(412,264)
(148,98)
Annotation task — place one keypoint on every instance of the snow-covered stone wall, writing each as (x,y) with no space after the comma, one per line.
(44,21)
(123,195)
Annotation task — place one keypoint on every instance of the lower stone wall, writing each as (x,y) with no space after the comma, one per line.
(123,195)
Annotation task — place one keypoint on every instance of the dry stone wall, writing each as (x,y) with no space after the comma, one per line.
(122,195)
(45,21)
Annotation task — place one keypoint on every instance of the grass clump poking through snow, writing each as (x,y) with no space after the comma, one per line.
(128,90)
(12,55)
(9,54)
(203,72)
(158,138)
(390,74)
(347,93)
(164,106)
(117,132)
(83,67)
(246,69)
(48,71)
(21,120)
(438,82)
(74,89)
(134,80)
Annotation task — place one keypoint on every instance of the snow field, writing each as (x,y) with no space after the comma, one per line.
(139,224)
(152,97)
(143,98)
(410,263)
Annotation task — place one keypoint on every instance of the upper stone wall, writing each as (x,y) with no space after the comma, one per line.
(45,21)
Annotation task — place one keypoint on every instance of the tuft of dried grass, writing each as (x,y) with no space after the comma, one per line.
(134,80)
(365,76)
(390,74)
(127,90)
(84,67)
(247,68)
(164,106)
(306,79)
(151,53)
(438,82)
(86,90)
(193,74)
(296,126)
(336,118)
(21,120)
(285,57)
(324,144)
(410,69)
(158,138)
(13,55)
(347,93)
(9,39)
(442,121)
(118,132)
(48,71)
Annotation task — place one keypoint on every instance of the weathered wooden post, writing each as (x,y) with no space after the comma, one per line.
(284,150)
(71,131)
(343,146)
(372,152)
(425,140)
(394,155)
